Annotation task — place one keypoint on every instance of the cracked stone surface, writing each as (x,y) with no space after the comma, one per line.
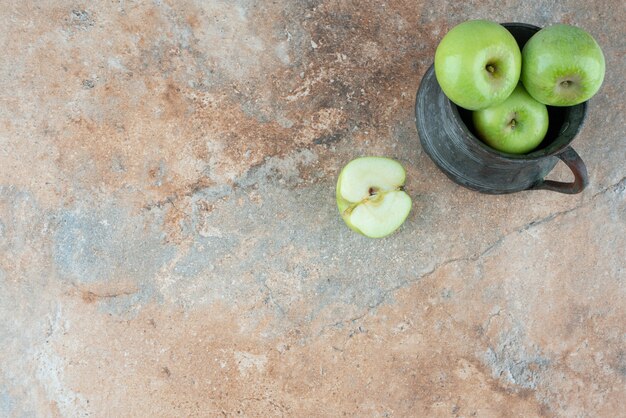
(170,243)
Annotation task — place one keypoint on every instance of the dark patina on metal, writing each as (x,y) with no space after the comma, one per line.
(446,134)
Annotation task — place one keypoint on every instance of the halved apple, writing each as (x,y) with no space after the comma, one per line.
(371,196)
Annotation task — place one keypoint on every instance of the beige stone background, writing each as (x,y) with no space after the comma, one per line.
(170,244)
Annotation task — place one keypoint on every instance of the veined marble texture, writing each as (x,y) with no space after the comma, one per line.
(170,244)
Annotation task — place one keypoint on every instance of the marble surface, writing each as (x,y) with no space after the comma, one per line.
(170,244)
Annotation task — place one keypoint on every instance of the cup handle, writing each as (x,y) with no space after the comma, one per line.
(576,164)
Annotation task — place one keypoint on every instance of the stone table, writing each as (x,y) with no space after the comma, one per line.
(170,244)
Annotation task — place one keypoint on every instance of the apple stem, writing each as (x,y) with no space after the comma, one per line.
(566,83)
(491,68)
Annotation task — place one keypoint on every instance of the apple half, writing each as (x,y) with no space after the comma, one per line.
(371,196)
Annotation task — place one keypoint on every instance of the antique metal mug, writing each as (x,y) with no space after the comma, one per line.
(446,134)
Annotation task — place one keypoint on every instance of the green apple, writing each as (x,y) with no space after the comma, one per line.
(370,196)
(477,64)
(562,65)
(516,126)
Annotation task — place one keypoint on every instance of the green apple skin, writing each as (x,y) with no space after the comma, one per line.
(562,65)
(516,126)
(347,207)
(343,205)
(478,64)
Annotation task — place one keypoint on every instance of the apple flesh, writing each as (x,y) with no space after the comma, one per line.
(516,126)
(478,64)
(370,196)
(562,65)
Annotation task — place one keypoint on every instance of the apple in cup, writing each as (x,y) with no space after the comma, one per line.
(478,64)
(562,65)
(515,126)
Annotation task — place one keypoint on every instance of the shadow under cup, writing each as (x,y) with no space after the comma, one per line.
(447,135)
